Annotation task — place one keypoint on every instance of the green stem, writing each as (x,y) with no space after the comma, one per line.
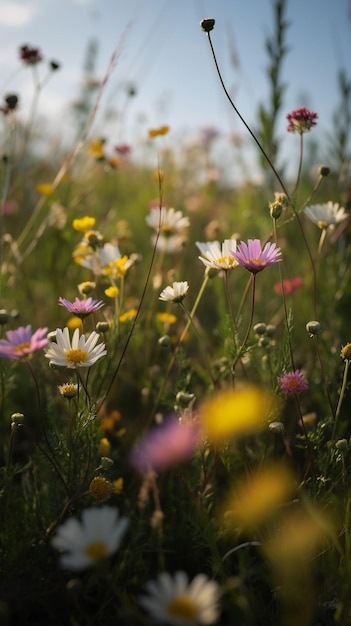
(240,351)
(341,397)
(203,349)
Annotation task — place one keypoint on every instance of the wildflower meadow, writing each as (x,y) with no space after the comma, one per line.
(174,372)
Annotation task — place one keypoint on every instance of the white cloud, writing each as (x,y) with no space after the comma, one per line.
(14,14)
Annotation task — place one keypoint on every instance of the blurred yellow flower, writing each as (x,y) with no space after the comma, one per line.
(111,292)
(166,318)
(235,412)
(74,322)
(299,537)
(257,496)
(104,447)
(155,132)
(109,421)
(96,148)
(45,189)
(128,315)
(118,267)
(118,485)
(84,224)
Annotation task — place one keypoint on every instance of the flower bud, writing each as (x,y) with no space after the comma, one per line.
(324,170)
(342,445)
(277,428)
(11,101)
(207,24)
(184,399)
(164,341)
(260,328)
(17,418)
(106,463)
(275,209)
(271,330)
(313,327)
(102,327)
(4,316)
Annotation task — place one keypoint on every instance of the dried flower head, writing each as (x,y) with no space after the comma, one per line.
(207,24)
(68,390)
(30,55)
(346,352)
(100,488)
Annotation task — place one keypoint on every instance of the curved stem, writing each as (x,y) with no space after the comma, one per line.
(341,397)
(243,121)
(299,166)
(203,349)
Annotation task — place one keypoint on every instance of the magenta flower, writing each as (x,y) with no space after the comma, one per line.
(123,149)
(254,258)
(22,342)
(165,446)
(301,120)
(81,308)
(29,55)
(293,383)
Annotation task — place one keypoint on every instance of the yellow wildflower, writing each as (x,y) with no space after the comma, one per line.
(84,224)
(74,322)
(96,148)
(166,318)
(112,292)
(118,485)
(118,267)
(104,446)
(109,421)
(128,315)
(155,132)
(45,189)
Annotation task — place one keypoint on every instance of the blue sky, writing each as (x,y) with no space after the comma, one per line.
(166,55)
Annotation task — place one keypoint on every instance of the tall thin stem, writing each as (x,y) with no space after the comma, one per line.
(240,351)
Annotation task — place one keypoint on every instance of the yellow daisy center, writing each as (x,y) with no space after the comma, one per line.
(322,224)
(22,346)
(183,607)
(257,261)
(96,550)
(76,356)
(228,259)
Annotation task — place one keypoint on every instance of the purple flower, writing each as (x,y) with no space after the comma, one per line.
(165,446)
(293,383)
(254,258)
(29,55)
(81,308)
(301,120)
(22,342)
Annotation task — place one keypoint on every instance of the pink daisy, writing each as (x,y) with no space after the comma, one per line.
(22,342)
(293,383)
(81,308)
(255,258)
(165,446)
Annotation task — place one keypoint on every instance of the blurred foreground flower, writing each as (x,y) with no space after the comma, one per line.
(83,224)
(217,256)
(235,412)
(293,383)
(82,353)
(255,499)
(81,308)
(156,132)
(45,189)
(30,55)
(166,445)
(289,284)
(176,293)
(22,342)
(96,148)
(173,600)
(301,120)
(96,537)
(255,258)
(325,215)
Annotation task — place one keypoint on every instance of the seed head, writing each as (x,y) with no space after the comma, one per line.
(346,352)
(313,327)
(207,24)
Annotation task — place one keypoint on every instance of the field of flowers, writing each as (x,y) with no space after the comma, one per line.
(174,379)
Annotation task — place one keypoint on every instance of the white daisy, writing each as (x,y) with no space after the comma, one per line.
(169,222)
(81,353)
(173,600)
(216,256)
(325,215)
(96,537)
(176,293)
(97,260)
